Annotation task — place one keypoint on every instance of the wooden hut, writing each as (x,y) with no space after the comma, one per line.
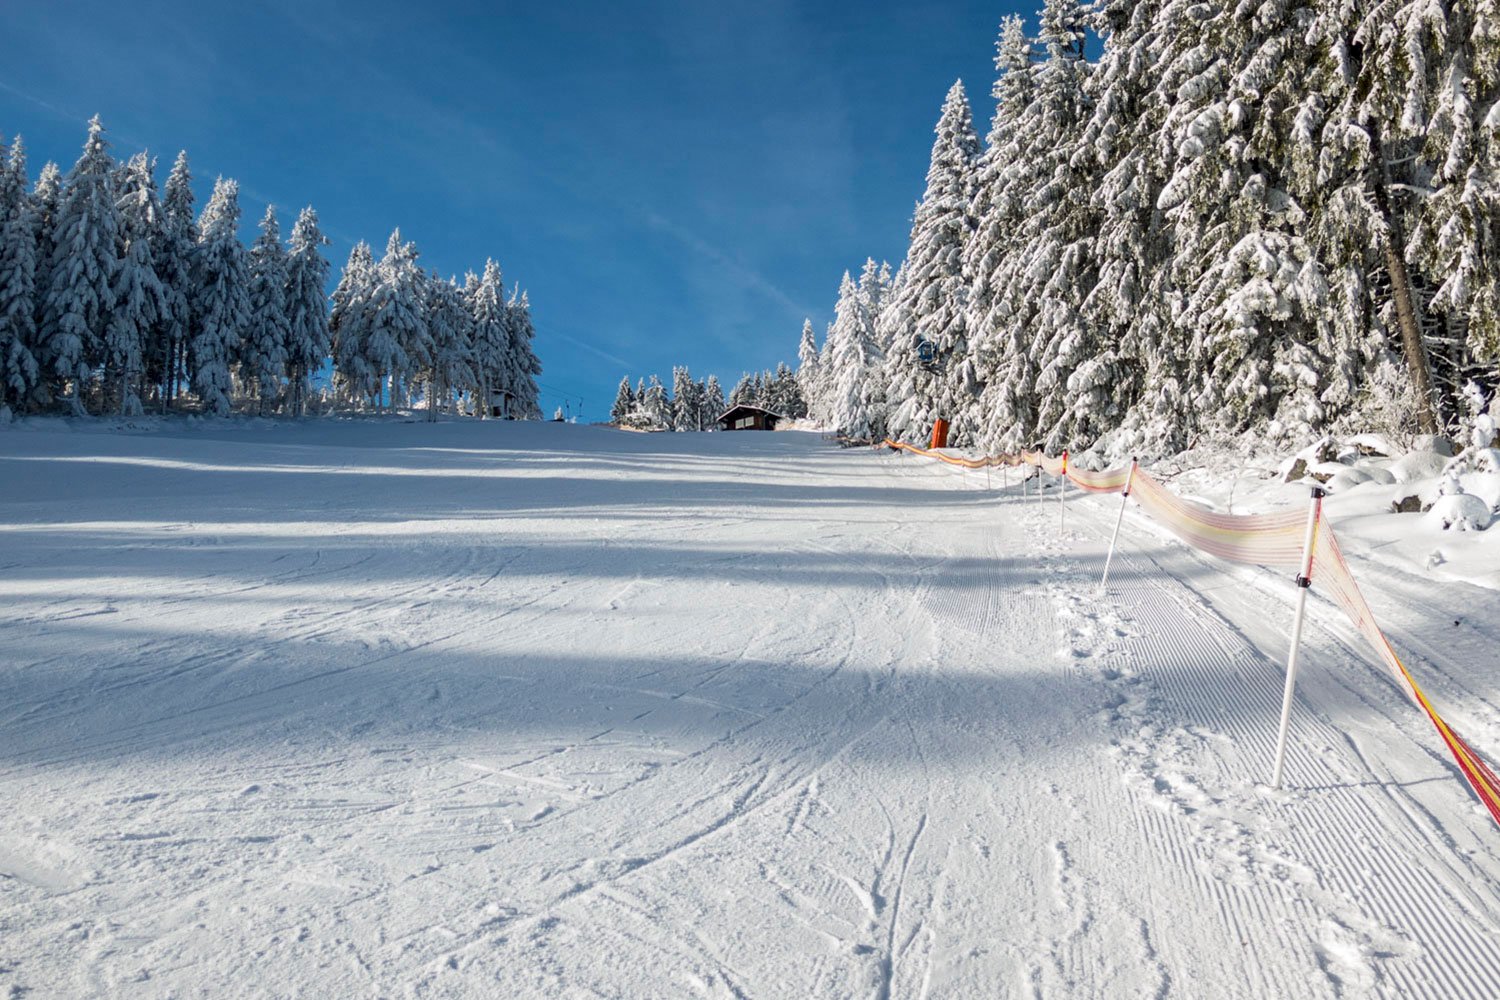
(749,418)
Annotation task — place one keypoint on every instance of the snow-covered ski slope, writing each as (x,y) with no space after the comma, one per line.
(389,709)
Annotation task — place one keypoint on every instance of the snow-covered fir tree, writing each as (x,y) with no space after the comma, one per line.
(930,302)
(624,403)
(998,350)
(140,301)
(395,322)
(176,243)
(221,298)
(854,381)
(524,366)
(492,357)
(18,247)
(743,393)
(809,376)
(308,339)
(85,261)
(263,353)
(656,405)
(452,335)
(685,403)
(713,401)
(348,325)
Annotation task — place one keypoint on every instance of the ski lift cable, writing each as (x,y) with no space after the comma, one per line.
(558,392)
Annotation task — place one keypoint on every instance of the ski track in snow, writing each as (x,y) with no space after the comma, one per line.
(536,710)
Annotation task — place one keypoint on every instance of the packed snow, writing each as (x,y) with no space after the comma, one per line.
(359,708)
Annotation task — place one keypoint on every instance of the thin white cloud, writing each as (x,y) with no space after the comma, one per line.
(747,276)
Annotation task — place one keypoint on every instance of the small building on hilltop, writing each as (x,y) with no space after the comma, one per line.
(749,418)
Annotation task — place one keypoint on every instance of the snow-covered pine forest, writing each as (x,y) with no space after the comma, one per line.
(114,298)
(1276,217)
(691,405)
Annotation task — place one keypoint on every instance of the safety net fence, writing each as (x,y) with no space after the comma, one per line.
(1272,540)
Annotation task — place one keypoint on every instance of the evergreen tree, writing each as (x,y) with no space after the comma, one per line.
(491,335)
(176,243)
(451,328)
(263,354)
(854,379)
(349,326)
(524,366)
(221,298)
(396,320)
(308,336)
(18,221)
(139,298)
(713,405)
(656,406)
(1377,83)
(1074,370)
(932,298)
(84,265)
(786,394)
(1454,234)
(46,196)
(743,393)
(1131,303)
(685,404)
(1004,415)
(624,402)
(808,373)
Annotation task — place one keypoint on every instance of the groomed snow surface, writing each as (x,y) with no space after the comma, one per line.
(396,709)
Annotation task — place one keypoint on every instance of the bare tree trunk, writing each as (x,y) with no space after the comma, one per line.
(1406,310)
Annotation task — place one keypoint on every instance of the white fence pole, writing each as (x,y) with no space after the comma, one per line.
(1115,537)
(1304,582)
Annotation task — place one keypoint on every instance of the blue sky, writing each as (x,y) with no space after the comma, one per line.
(672,182)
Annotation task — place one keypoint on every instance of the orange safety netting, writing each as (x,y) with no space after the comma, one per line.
(1273,540)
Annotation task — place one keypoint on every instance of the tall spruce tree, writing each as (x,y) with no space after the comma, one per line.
(524,365)
(18,222)
(308,337)
(221,298)
(808,375)
(451,334)
(349,325)
(491,335)
(713,401)
(85,261)
(396,322)
(177,243)
(263,353)
(140,301)
(684,400)
(624,402)
(998,349)
(930,301)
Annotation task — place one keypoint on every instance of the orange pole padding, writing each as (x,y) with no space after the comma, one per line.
(939,434)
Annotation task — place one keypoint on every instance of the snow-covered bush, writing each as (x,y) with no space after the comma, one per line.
(1456,509)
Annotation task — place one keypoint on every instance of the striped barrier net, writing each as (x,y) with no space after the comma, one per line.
(1273,540)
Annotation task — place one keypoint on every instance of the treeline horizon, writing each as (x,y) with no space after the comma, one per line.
(115,298)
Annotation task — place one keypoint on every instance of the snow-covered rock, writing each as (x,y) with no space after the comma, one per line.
(1418,465)
(1347,479)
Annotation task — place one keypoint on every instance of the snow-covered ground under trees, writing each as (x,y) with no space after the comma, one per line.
(398,709)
